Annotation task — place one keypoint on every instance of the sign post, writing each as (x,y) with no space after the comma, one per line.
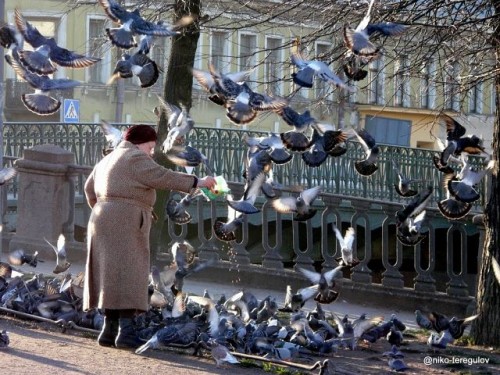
(71,110)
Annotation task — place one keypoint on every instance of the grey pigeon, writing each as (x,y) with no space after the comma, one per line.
(221,354)
(10,37)
(47,47)
(138,65)
(393,353)
(225,231)
(367,166)
(40,102)
(440,341)
(325,282)
(300,206)
(422,320)
(180,123)
(4,339)
(450,207)
(357,40)
(188,156)
(403,185)
(463,187)
(61,263)
(310,69)
(177,211)
(112,134)
(397,364)
(131,23)
(296,140)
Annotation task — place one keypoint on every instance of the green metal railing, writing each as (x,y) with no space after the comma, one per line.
(226,151)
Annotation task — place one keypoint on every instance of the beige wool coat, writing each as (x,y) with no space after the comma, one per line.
(121,192)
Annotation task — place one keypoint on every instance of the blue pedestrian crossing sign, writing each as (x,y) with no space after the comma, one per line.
(71,110)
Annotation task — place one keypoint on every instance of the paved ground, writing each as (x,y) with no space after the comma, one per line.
(42,348)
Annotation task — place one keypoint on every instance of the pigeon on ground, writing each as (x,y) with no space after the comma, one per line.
(310,69)
(40,102)
(61,263)
(357,40)
(221,354)
(346,243)
(440,341)
(300,206)
(458,326)
(397,364)
(393,353)
(131,23)
(326,283)
(367,166)
(7,174)
(4,339)
(138,65)
(46,51)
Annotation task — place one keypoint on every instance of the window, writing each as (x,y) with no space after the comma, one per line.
(322,87)
(428,85)
(389,131)
(247,58)
(402,82)
(376,78)
(452,87)
(476,98)
(273,65)
(218,50)
(98,73)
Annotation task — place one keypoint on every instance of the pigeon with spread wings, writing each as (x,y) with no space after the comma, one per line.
(300,206)
(61,262)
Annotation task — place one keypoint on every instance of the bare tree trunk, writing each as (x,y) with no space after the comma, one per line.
(178,91)
(486,329)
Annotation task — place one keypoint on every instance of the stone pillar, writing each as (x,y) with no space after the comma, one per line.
(43,210)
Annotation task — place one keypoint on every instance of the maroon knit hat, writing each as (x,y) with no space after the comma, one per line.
(138,134)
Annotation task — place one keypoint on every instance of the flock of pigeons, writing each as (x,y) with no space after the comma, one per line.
(226,327)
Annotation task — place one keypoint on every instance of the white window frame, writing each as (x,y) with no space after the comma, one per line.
(106,59)
(428,85)
(276,87)
(226,58)
(252,80)
(376,87)
(402,82)
(452,87)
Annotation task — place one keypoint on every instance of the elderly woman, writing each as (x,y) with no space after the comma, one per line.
(121,192)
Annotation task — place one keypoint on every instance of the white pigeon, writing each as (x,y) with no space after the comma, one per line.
(7,174)
(300,206)
(345,242)
(113,135)
(61,263)
(179,121)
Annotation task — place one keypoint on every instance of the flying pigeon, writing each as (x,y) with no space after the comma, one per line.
(450,207)
(131,23)
(47,51)
(403,185)
(138,65)
(7,174)
(346,243)
(113,136)
(300,206)
(368,166)
(61,263)
(296,140)
(357,40)
(40,102)
(207,81)
(415,207)
(422,320)
(326,283)
(11,38)
(463,186)
(180,123)
(309,69)
(176,211)
(225,231)
(19,257)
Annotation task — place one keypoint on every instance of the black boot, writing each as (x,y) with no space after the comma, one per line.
(127,337)
(108,333)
